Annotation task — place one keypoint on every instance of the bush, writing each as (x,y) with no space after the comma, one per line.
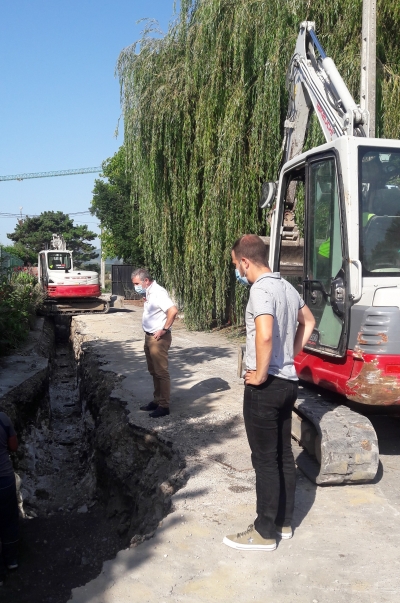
(20,297)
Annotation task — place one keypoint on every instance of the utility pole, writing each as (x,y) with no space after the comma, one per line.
(103,273)
(102,264)
(368,63)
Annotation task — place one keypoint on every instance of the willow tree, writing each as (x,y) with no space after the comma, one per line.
(203,113)
(115,206)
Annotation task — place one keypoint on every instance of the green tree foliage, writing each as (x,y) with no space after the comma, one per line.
(20,297)
(203,116)
(115,205)
(25,254)
(11,250)
(34,234)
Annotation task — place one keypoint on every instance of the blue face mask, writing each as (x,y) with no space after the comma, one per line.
(139,289)
(241,279)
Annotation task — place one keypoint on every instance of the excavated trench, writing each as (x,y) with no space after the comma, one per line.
(92,482)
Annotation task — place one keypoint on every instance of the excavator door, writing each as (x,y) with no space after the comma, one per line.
(43,273)
(318,270)
(325,271)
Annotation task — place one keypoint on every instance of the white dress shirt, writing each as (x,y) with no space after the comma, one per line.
(155,308)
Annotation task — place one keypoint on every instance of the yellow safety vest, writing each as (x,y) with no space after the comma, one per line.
(366,218)
(325,248)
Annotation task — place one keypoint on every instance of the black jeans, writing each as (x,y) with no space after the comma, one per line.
(267,411)
(8,522)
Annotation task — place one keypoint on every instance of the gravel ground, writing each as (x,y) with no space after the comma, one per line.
(345,547)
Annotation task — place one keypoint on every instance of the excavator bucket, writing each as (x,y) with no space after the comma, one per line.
(291,257)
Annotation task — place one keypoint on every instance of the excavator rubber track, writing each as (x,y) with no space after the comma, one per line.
(76,306)
(338,445)
(333,444)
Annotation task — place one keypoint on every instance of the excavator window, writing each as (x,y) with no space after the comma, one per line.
(59,261)
(380,209)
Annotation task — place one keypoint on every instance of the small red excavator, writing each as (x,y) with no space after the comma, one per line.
(68,291)
(347,266)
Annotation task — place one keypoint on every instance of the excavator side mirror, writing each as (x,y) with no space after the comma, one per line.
(268,194)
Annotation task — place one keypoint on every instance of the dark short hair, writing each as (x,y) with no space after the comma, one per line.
(142,273)
(250,246)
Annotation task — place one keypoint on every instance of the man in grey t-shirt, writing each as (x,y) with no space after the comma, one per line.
(278,325)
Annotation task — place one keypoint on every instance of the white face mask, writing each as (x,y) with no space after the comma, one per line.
(241,279)
(140,289)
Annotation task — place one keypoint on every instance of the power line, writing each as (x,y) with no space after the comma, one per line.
(90,170)
(20,215)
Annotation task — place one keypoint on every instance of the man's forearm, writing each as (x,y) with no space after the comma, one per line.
(171,314)
(263,357)
(305,327)
(263,344)
(302,336)
(298,340)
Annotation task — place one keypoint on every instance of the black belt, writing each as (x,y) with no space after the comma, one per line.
(151,334)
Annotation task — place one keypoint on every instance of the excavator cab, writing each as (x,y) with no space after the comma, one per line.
(347,198)
(60,260)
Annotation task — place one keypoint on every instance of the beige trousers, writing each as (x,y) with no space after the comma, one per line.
(157,364)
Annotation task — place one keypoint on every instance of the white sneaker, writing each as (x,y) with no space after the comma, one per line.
(250,540)
(285,532)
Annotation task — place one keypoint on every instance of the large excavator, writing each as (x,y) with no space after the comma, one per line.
(68,291)
(346,192)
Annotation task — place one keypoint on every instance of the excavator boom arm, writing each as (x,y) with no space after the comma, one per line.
(314,83)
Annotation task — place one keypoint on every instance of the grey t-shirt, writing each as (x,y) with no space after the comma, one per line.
(271,294)
(6,431)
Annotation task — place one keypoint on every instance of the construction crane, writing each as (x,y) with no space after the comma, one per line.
(89,170)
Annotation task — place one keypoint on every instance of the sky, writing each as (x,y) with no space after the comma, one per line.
(59,97)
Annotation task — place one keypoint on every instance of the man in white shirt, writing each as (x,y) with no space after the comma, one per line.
(158,315)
